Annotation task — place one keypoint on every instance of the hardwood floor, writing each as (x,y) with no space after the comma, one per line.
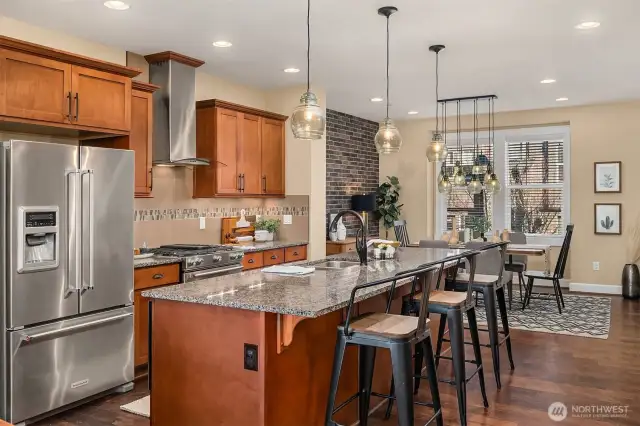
(549,368)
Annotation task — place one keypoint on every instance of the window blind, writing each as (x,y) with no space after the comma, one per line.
(535,193)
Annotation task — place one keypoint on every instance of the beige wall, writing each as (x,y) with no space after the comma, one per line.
(57,40)
(607,132)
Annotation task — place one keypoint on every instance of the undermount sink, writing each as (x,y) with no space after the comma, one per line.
(336,264)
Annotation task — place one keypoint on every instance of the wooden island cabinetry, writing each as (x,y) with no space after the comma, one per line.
(46,87)
(276,256)
(246,149)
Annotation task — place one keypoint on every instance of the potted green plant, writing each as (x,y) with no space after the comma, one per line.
(266,228)
(480,225)
(387,207)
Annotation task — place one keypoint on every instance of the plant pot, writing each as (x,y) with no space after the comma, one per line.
(631,281)
(262,235)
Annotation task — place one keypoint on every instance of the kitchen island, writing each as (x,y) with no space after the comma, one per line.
(257,349)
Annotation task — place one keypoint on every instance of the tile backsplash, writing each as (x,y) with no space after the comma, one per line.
(172,215)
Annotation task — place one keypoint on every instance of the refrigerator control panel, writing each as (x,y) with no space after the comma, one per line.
(40,219)
(38,238)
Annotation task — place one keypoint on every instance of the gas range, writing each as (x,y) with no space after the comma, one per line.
(204,261)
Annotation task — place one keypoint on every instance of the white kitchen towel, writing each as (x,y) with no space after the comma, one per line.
(141,407)
(289,270)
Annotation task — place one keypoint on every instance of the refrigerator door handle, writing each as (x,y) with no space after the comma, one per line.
(87,284)
(73,254)
(27,338)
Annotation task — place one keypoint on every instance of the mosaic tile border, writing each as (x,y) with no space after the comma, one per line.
(185,214)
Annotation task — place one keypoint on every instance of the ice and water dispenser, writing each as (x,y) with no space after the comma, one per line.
(38,234)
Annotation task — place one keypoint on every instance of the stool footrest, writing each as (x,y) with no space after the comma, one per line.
(467,379)
(385,396)
(344,404)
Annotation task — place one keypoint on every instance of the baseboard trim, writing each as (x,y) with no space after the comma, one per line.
(596,288)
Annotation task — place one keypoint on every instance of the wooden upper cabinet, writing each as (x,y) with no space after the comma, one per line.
(246,148)
(101,99)
(141,137)
(226,152)
(34,88)
(48,87)
(249,153)
(272,157)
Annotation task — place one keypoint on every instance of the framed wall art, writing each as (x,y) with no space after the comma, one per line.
(607,176)
(608,219)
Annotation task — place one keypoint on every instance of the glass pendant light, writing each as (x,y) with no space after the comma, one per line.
(459,178)
(444,185)
(388,139)
(437,149)
(308,120)
(475,186)
(492,185)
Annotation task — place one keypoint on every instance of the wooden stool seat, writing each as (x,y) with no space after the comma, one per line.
(478,279)
(387,325)
(447,298)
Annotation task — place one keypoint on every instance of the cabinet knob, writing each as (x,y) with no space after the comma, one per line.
(251,261)
(274,257)
(158,276)
(295,253)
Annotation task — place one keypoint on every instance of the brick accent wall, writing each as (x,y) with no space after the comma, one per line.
(352,164)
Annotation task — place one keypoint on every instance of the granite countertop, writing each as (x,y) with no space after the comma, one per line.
(254,246)
(310,295)
(155,261)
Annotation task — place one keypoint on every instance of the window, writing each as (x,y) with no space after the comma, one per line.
(533,167)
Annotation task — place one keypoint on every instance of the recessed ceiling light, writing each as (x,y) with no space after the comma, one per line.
(548,81)
(291,70)
(116,5)
(377,99)
(589,25)
(222,43)
(562,99)
(412,112)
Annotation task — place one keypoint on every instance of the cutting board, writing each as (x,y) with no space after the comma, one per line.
(230,230)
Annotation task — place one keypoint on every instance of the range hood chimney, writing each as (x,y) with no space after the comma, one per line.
(174,109)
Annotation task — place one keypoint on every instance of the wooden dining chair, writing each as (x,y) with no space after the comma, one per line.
(402,236)
(557,275)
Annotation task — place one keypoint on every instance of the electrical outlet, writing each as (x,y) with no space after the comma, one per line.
(203,223)
(596,266)
(250,357)
(287,219)
(258,216)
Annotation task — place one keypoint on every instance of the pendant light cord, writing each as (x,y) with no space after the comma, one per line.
(308,45)
(459,142)
(437,84)
(388,66)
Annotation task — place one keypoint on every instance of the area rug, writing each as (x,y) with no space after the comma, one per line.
(141,407)
(584,316)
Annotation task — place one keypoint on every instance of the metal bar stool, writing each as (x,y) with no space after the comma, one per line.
(490,261)
(398,334)
(451,305)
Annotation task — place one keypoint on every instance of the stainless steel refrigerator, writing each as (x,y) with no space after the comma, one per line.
(66,225)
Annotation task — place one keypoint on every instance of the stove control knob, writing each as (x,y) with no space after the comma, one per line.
(216,258)
(194,261)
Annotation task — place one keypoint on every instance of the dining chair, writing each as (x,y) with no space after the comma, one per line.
(517,264)
(402,236)
(555,277)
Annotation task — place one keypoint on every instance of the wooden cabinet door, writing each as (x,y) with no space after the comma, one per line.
(101,99)
(227,139)
(249,154)
(140,139)
(272,157)
(34,88)
(141,328)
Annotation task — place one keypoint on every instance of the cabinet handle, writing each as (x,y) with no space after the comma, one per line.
(295,253)
(77,98)
(264,183)
(251,261)
(242,177)
(151,180)
(158,276)
(69,106)
(274,257)
(239,183)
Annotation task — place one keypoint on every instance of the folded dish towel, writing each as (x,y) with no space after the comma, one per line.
(289,270)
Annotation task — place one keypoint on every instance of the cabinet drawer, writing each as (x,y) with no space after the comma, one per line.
(348,248)
(156,275)
(293,254)
(252,261)
(273,257)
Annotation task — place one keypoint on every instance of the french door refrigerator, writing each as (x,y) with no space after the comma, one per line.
(67,274)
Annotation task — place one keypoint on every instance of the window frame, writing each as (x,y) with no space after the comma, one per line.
(500,217)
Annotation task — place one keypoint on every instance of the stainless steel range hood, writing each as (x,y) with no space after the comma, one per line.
(174,109)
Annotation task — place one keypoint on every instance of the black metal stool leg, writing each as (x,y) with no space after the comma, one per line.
(403,381)
(392,393)
(338,357)
(456,335)
(492,326)
(367,360)
(475,339)
(510,284)
(433,379)
(442,325)
(505,324)
(417,367)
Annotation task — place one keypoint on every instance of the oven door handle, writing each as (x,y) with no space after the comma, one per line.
(212,272)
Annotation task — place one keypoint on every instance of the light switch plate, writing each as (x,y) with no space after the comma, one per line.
(203,223)
(596,266)
(287,219)
(258,216)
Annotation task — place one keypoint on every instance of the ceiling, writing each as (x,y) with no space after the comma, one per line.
(494,46)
